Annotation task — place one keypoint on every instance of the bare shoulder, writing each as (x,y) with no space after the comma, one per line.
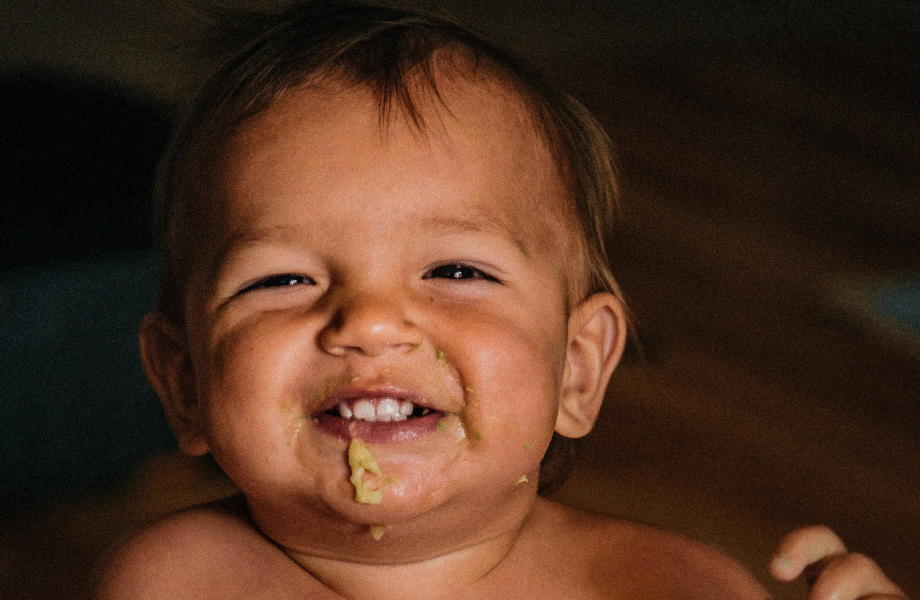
(212,550)
(632,560)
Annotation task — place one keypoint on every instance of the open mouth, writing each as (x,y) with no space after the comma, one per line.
(378,410)
(379,420)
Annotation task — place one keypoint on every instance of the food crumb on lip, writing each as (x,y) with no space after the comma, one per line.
(523,479)
(440,356)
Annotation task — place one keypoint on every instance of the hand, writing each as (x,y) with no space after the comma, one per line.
(832,572)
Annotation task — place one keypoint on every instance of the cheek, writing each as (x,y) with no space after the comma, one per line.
(255,393)
(513,411)
(512,373)
(250,382)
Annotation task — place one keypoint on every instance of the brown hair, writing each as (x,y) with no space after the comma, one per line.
(395,53)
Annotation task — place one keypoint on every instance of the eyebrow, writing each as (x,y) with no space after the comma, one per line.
(239,239)
(475,224)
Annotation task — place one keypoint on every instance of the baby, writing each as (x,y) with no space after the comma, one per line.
(385,311)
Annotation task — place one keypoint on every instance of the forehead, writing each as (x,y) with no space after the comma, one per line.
(476,162)
(471,130)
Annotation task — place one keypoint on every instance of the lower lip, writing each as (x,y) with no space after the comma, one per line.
(392,432)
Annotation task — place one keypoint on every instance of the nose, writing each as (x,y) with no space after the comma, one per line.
(371,325)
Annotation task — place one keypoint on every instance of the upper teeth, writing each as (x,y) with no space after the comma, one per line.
(384,410)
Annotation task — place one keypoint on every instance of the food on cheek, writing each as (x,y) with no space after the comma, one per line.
(362,461)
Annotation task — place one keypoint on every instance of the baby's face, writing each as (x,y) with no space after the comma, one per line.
(405,289)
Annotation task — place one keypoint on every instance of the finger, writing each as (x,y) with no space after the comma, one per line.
(851,577)
(803,547)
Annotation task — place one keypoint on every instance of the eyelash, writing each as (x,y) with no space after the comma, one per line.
(457,271)
(283,280)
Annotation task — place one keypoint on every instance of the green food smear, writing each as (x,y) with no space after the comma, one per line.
(441,424)
(440,356)
(361,461)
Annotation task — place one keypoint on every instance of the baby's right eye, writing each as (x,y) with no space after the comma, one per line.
(274,281)
(457,271)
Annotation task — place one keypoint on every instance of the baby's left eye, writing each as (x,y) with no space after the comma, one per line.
(457,271)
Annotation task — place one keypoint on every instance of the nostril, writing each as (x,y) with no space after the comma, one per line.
(340,345)
(370,328)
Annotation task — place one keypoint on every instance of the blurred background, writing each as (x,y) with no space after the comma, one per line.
(769,249)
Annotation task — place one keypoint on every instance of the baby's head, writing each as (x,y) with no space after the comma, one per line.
(443,152)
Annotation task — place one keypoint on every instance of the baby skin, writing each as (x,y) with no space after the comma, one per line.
(417,291)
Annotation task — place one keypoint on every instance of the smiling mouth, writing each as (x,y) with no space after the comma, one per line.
(384,415)
(378,410)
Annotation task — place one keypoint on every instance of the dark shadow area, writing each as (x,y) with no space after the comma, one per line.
(76,166)
(76,274)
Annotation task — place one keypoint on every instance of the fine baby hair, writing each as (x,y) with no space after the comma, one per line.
(398,55)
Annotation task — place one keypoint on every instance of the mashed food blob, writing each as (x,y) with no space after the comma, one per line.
(362,461)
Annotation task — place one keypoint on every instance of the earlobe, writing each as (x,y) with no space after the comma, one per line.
(168,367)
(597,336)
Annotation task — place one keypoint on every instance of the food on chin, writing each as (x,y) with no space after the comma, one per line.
(362,461)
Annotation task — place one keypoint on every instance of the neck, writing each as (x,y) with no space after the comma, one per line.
(449,552)
(455,571)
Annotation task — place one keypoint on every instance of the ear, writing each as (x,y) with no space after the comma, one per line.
(168,366)
(597,336)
